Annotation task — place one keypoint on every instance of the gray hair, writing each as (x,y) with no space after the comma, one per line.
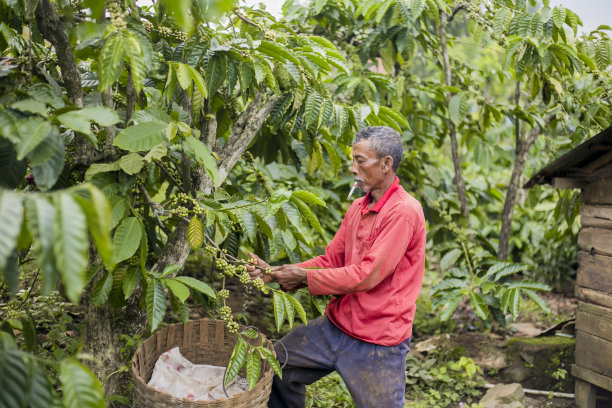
(385,141)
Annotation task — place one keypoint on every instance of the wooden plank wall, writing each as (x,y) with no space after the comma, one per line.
(594,287)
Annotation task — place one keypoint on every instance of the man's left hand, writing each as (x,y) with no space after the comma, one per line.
(289,277)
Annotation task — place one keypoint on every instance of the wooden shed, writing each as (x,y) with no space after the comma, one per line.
(589,168)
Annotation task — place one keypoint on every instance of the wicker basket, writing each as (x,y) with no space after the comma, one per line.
(202,341)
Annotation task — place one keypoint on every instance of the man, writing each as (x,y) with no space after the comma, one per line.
(374,268)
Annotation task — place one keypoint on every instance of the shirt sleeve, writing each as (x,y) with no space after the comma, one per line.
(334,252)
(379,261)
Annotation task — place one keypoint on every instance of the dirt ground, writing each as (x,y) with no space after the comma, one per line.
(487,348)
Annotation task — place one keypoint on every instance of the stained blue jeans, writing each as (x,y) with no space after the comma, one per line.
(374,375)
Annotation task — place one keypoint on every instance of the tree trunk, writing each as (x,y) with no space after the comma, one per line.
(522,150)
(458,179)
(53,30)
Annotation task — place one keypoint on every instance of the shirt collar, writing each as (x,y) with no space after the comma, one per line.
(379,204)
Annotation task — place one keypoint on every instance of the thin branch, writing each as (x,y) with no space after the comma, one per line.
(455,11)
(465,209)
(106,155)
(163,167)
(246,19)
(154,207)
(242,206)
(26,261)
(30,290)
(517,125)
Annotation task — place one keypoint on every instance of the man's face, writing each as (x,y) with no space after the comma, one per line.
(367,168)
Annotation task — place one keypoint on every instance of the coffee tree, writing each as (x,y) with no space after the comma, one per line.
(130,126)
(483,84)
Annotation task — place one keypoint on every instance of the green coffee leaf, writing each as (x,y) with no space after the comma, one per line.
(237,360)
(170,269)
(197,285)
(253,367)
(32,131)
(11,216)
(279,196)
(70,244)
(269,356)
(102,289)
(40,218)
(177,288)
(22,381)
(479,305)
(537,300)
(250,333)
(247,222)
(80,387)
(309,198)
(204,157)
(156,303)
(514,302)
(297,306)
(12,170)
(289,309)
(279,310)
(450,307)
(131,281)
(450,258)
(528,285)
(457,108)
(195,233)
(127,239)
(141,137)
(110,62)
(99,218)
(131,163)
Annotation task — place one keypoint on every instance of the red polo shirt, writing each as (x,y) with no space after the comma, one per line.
(374,265)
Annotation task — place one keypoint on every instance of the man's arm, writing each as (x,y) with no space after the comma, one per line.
(334,252)
(377,264)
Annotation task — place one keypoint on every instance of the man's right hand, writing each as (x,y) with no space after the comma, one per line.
(257,269)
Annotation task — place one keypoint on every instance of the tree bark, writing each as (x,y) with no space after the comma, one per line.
(52,29)
(465,209)
(522,150)
(107,100)
(130,98)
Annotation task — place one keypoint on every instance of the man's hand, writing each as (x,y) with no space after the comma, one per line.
(257,269)
(290,277)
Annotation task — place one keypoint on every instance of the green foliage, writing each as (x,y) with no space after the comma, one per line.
(24,383)
(441,381)
(166,138)
(80,387)
(329,392)
(247,355)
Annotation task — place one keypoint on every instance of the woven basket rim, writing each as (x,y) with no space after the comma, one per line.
(268,371)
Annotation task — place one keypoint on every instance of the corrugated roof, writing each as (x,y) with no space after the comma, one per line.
(598,148)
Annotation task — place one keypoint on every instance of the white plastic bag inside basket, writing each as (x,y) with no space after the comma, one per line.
(179,377)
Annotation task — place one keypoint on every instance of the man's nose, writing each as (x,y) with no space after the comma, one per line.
(353,169)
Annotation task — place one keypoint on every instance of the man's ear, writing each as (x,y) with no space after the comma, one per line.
(387,163)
